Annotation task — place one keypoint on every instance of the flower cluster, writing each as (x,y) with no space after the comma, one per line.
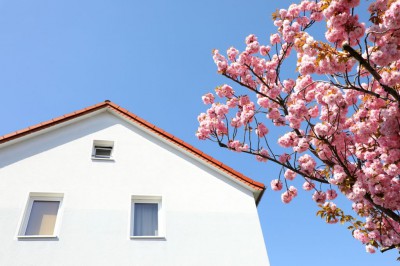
(341,114)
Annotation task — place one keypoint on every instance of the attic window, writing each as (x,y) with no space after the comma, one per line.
(102,149)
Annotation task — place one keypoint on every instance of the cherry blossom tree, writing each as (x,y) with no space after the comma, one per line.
(339,118)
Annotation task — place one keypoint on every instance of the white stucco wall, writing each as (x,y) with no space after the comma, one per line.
(209,220)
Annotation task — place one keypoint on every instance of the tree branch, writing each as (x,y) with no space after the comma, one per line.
(388,248)
(346,46)
(223,145)
(386,211)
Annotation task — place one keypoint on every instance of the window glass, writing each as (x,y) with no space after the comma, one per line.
(42,218)
(145,219)
(103,152)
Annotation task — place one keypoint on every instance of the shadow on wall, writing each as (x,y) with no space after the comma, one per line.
(50,138)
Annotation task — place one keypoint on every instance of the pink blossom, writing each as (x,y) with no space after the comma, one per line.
(286,197)
(322,129)
(264,50)
(307,163)
(275,38)
(319,196)
(251,38)
(232,103)
(359,235)
(338,175)
(288,84)
(289,174)
(236,122)
(288,140)
(313,112)
(284,158)
(283,13)
(261,130)
(208,98)
(262,156)
(307,65)
(331,194)
(302,145)
(392,170)
(293,11)
(221,109)
(224,91)
(247,113)
(236,145)
(293,191)
(244,100)
(263,102)
(369,248)
(276,185)
(308,185)
(220,61)
(232,53)
(274,114)
(317,16)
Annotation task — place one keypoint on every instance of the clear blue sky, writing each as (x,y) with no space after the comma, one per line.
(154,59)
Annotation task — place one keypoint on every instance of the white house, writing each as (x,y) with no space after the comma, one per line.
(101,186)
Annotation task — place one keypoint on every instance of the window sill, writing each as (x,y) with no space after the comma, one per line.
(102,159)
(162,238)
(38,237)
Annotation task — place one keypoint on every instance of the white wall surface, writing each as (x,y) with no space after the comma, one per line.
(209,220)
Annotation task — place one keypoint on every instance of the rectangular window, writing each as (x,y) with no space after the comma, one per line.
(102,152)
(41,215)
(102,149)
(146,217)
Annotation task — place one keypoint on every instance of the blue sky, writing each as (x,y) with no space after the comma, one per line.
(154,59)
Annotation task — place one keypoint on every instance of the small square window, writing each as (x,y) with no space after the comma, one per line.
(102,152)
(102,149)
(41,216)
(146,217)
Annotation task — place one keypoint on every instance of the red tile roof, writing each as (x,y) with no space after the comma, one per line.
(134,118)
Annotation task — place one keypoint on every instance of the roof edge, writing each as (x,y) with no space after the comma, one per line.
(52,122)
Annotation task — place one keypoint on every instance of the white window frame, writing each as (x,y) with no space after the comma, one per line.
(106,144)
(161,222)
(35,196)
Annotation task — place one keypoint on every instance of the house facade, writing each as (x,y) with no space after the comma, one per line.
(101,186)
